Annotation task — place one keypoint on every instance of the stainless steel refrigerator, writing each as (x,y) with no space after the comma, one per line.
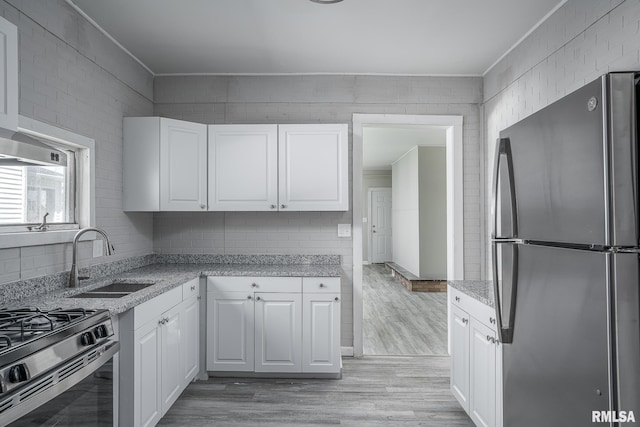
(565,246)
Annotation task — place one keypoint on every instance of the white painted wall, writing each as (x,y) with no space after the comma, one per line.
(405,211)
(73,77)
(371,179)
(419,212)
(582,40)
(432,207)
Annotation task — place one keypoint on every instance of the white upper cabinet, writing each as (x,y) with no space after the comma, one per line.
(8,75)
(243,167)
(164,165)
(183,165)
(313,167)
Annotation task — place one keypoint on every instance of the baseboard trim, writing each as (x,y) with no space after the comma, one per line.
(346,351)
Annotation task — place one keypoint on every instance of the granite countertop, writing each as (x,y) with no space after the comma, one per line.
(166,277)
(481,290)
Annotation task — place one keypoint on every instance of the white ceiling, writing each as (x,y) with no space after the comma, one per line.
(383,145)
(422,37)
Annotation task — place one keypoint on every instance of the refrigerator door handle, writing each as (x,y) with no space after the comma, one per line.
(503,151)
(505,325)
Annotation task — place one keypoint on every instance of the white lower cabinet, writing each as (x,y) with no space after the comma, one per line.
(273,324)
(159,354)
(230,336)
(278,337)
(320,343)
(476,359)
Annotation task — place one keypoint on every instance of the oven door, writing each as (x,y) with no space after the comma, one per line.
(78,392)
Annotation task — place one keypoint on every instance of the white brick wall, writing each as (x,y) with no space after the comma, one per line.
(312,99)
(581,41)
(72,77)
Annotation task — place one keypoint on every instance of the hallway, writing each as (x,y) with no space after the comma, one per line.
(400,322)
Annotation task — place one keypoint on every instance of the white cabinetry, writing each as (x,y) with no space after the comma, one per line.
(273,324)
(159,354)
(476,359)
(8,75)
(278,167)
(164,165)
(230,336)
(321,322)
(313,167)
(278,338)
(243,167)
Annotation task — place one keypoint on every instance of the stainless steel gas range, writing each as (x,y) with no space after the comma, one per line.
(56,367)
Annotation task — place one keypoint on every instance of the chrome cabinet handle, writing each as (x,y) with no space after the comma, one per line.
(322,285)
(273,206)
(465,321)
(458,299)
(491,339)
(202,206)
(193,288)
(254,285)
(337,299)
(283,206)
(258,298)
(249,297)
(161,322)
(492,320)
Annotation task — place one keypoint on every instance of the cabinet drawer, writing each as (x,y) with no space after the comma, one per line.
(153,308)
(481,311)
(191,289)
(320,285)
(254,284)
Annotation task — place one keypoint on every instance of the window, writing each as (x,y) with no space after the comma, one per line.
(66,191)
(28,193)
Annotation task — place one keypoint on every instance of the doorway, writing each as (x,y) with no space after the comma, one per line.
(454,247)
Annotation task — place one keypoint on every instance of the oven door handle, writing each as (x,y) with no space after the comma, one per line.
(95,357)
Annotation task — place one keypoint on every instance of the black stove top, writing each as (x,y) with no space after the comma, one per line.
(26,324)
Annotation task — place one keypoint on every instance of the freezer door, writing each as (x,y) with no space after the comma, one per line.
(626,297)
(556,369)
(558,160)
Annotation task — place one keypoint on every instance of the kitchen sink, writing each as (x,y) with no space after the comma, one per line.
(113,290)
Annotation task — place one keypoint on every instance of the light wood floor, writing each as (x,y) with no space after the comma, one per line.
(400,322)
(374,391)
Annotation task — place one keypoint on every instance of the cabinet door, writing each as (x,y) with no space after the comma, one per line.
(321,333)
(313,167)
(482,375)
(146,359)
(189,339)
(171,374)
(183,166)
(278,335)
(230,331)
(243,167)
(8,75)
(459,324)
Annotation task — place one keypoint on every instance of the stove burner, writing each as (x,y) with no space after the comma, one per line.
(26,324)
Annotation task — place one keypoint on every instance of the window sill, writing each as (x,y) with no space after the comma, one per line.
(36,238)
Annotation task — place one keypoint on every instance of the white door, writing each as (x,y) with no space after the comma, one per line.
(313,167)
(183,166)
(230,331)
(8,75)
(171,374)
(321,334)
(190,339)
(147,401)
(278,334)
(380,229)
(459,324)
(482,375)
(243,167)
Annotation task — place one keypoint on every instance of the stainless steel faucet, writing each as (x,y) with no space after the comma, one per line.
(109,250)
